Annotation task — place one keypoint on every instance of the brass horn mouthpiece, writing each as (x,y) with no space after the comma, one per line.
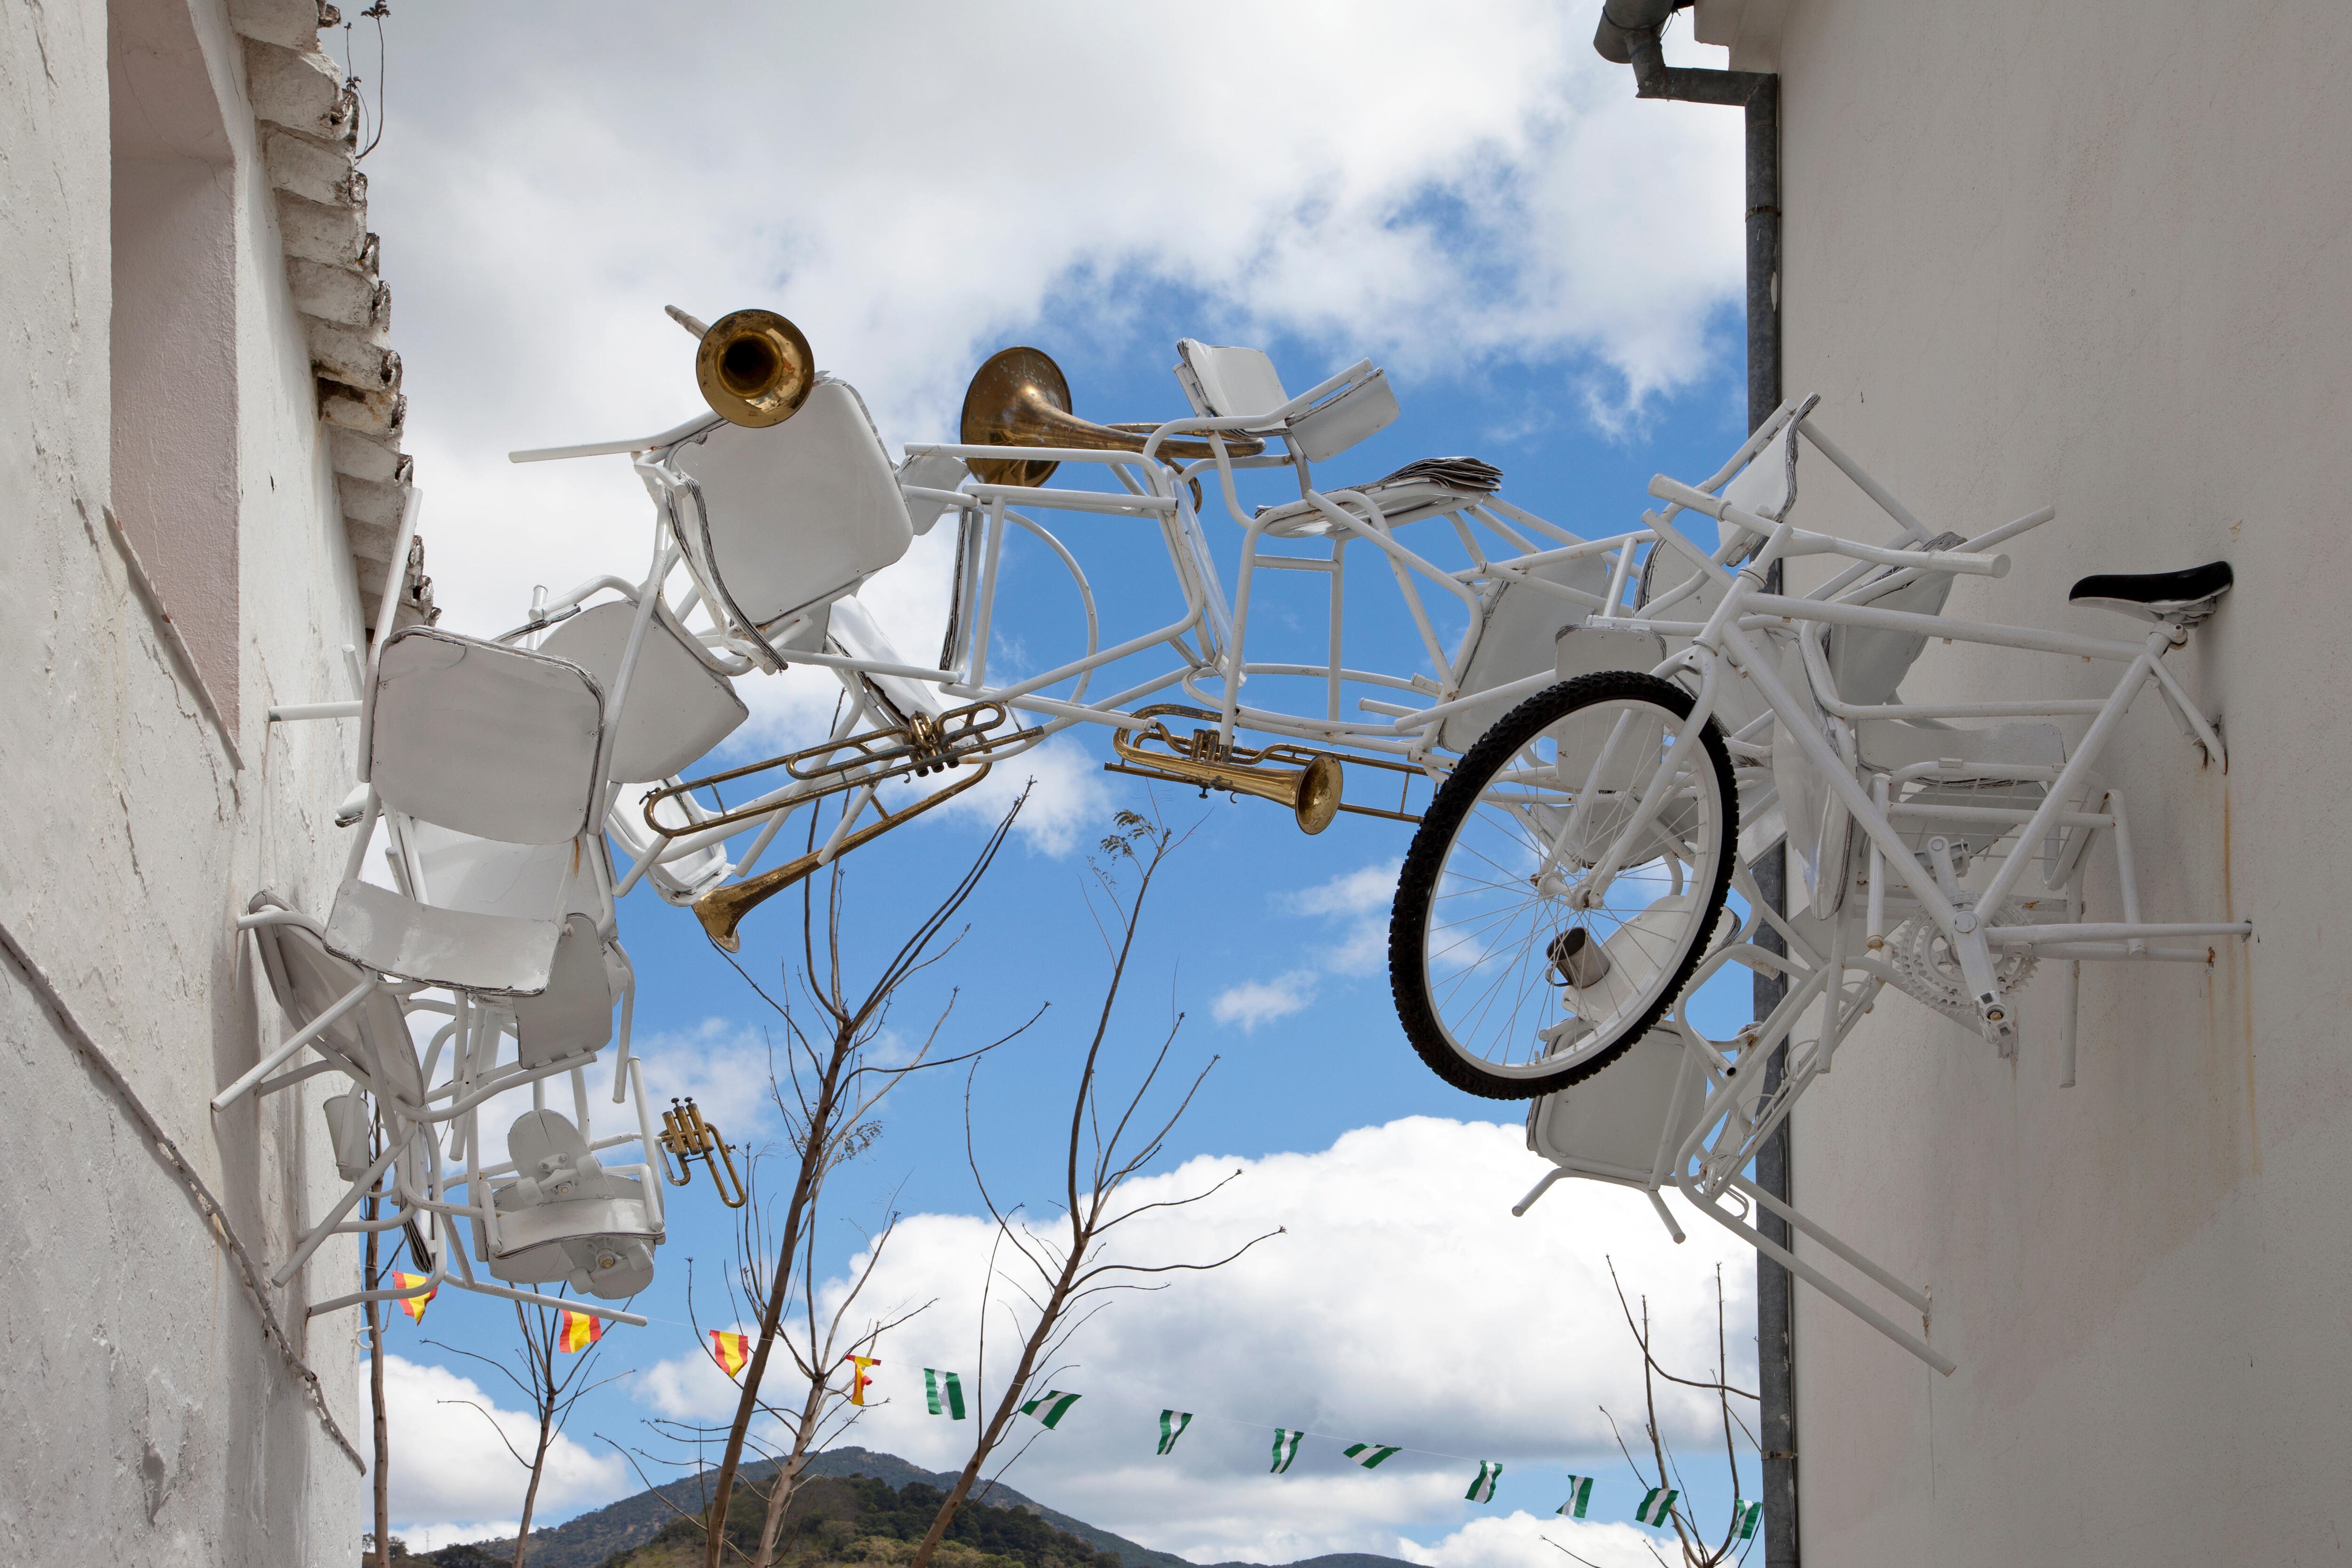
(754,368)
(1021,398)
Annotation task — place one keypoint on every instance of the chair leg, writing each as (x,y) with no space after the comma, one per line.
(285,1053)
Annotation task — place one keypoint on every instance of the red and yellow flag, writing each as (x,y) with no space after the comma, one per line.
(857,1378)
(579,1332)
(413,1305)
(731,1352)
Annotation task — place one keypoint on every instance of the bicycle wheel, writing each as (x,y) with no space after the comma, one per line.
(1517,967)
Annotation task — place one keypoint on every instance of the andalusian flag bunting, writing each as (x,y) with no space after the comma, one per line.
(1579,1497)
(857,1378)
(1483,1488)
(953,1394)
(1285,1448)
(1658,1507)
(1369,1455)
(579,1332)
(731,1352)
(1171,1427)
(1050,1406)
(413,1305)
(1745,1517)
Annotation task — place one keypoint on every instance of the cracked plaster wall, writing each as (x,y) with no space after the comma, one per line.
(144,1419)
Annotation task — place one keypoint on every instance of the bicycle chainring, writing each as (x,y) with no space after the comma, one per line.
(1930,971)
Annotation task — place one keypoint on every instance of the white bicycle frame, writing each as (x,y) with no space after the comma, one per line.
(1822,967)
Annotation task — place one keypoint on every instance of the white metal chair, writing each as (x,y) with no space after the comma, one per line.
(562,1217)
(489,742)
(778,522)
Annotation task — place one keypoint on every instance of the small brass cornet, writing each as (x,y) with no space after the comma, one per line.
(685,1139)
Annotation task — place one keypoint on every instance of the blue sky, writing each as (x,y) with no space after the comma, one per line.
(1549,270)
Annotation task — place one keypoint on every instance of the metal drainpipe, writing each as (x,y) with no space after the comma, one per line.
(1628,34)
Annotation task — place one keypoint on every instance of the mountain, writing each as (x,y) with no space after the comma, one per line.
(592,1538)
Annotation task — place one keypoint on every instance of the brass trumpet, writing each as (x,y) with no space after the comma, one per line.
(754,367)
(1019,399)
(1311,790)
(686,1138)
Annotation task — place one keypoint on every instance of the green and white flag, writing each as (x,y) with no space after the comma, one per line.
(1171,1427)
(1579,1497)
(1285,1448)
(946,1386)
(1369,1455)
(1050,1406)
(1483,1488)
(1745,1517)
(1658,1507)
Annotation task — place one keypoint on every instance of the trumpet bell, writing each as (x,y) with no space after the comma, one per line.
(1012,402)
(755,368)
(1320,787)
(1019,399)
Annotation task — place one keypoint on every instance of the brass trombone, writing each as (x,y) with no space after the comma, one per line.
(1019,399)
(754,367)
(922,745)
(686,1138)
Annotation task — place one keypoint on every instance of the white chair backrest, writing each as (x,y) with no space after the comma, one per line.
(1868,663)
(1519,636)
(492,740)
(484,877)
(677,704)
(574,1015)
(791,516)
(1768,485)
(1228,383)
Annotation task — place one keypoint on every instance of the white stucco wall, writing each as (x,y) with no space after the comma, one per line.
(2095,255)
(143,1417)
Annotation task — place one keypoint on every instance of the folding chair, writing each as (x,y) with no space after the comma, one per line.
(776,524)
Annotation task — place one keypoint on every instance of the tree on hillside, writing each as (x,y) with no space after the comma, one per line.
(553,1388)
(827,1091)
(1741,1534)
(1061,1274)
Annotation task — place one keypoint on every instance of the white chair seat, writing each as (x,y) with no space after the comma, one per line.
(501,955)
(786,519)
(678,704)
(1623,1123)
(857,634)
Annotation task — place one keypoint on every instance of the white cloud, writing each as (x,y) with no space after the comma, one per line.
(687,1386)
(1522,1541)
(1365,178)
(1070,803)
(447,1464)
(1358,900)
(1402,1287)
(1255,1002)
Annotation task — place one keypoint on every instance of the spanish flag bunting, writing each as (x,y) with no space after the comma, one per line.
(731,1352)
(857,1378)
(579,1332)
(413,1305)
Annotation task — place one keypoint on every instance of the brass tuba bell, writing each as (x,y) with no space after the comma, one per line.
(754,368)
(1019,399)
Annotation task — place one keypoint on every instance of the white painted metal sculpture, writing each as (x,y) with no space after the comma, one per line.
(1623,726)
